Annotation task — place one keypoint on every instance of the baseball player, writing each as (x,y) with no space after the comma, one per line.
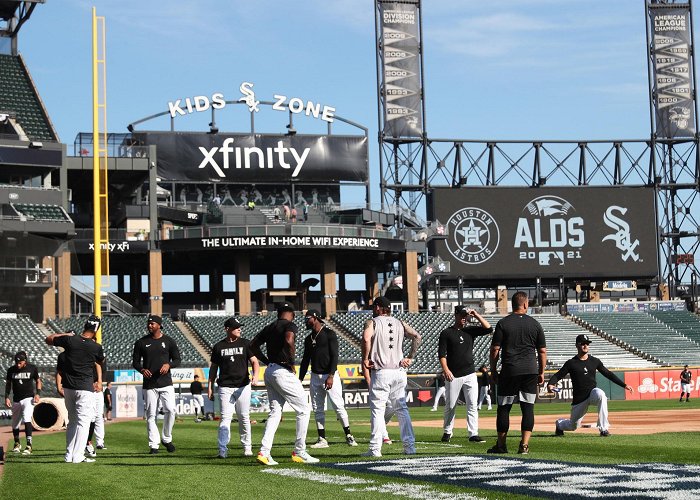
(686,377)
(108,401)
(439,389)
(24,397)
(582,369)
(197,398)
(519,341)
(456,354)
(382,353)
(282,384)
(229,360)
(321,350)
(154,355)
(82,354)
(484,387)
(97,426)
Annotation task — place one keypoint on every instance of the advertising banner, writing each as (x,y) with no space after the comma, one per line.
(251,158)
(399,53)
(660,384)
(671,52)
(577,232)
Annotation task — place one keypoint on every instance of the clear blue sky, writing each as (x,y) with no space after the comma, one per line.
(502,69)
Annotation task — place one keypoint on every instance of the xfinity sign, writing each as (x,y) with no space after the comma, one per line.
(247,157)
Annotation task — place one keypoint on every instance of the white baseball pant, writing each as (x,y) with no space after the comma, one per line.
(318,392)
(438,394)
(685,387)
(234,399)
(484,396)
(578,411)
(283,385)
(80,406)
(22,411)
(389,386)
(166,396)
(198,402)
(99,419)
(470,386)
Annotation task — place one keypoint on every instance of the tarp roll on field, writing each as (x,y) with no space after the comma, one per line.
(50,415)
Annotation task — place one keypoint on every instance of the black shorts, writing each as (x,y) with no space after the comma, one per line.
(517,388)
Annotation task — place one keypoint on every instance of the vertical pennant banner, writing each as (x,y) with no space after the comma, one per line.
(399,52)
(671,52)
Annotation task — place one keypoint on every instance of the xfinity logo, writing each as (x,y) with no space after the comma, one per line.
(621,236)
(474,235)
(253,156)
(548,232)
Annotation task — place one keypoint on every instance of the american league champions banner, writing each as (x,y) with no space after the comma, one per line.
(671,55)
(399,53)
(582,232)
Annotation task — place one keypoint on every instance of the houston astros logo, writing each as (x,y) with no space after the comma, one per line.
(474,235)
(247,90)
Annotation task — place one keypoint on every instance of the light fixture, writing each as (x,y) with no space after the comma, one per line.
(130,127)
(36,144)
(290,130)
(213,129)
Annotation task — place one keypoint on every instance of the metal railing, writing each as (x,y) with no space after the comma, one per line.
(278,230)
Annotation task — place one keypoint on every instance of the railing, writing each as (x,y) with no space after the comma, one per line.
(112,301)
(278,230)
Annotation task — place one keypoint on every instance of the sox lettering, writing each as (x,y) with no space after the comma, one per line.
(621,236)
(249,99)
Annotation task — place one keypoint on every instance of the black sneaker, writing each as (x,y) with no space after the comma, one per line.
(557,430)
(477,439)
(446,438)
(153,451)
(170,447)
(604,434)
(497,449)
(523,449)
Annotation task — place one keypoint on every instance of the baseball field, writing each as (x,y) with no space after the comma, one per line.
(652,453)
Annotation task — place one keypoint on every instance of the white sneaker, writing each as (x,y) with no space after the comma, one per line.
(387,441)
(265,459)
(370,453)
(27,451)
(247,453)
(90,452)
(350,439)
(321,443)
(433,409)
(87,460)
(17,448)
(303,457)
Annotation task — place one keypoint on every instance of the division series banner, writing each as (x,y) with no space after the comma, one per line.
(258,158)
(399,53)
(582,232)
(671,54)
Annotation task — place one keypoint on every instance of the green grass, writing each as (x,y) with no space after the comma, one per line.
(126,471)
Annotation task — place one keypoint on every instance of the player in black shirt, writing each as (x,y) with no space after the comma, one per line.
(19,381)
(229,361)
(582,369)
(108,401)
(197,398)
(282,384)
(519,342)
(321,350)
(82,354)
(154,355)
(456,354)
(686,377)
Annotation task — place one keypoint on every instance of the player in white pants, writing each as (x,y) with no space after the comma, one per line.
(321,351)
(484,387)
(197,398)
(582,368)
(229,360)
(21,379)
(440,391)
(382,353)
(152,398)
(282,384)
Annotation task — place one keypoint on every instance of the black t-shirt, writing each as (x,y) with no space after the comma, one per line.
(232,360)
(155,353)
(321,349)
(22,382)
(485,379)
(78,365)
(520,337)
(196,388)
(686,375)
(457,346)
(273,335)
(439,381)
(108,396)
(582,375)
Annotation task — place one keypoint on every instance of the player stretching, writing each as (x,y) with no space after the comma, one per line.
(230,358)
(582,369)
(282,384)
(154,356)
(19,381)
(686,376)
(321,350)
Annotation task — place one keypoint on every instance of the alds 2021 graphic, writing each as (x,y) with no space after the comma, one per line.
(586,232)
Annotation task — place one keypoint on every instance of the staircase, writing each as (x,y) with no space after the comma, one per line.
(194,339)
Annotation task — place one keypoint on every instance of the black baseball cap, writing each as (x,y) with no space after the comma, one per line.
(92,324)
(232,323)
(382,302)
(582,339)
(21,356)
(285,306)
(313,313)
(153,318)
(460,310)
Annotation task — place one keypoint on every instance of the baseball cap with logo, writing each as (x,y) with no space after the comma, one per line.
(232,323)
(382,302)
(153,318)
(582,339)
(285,306)
(92,324)
(20,356)
(313,313)
(461,310)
